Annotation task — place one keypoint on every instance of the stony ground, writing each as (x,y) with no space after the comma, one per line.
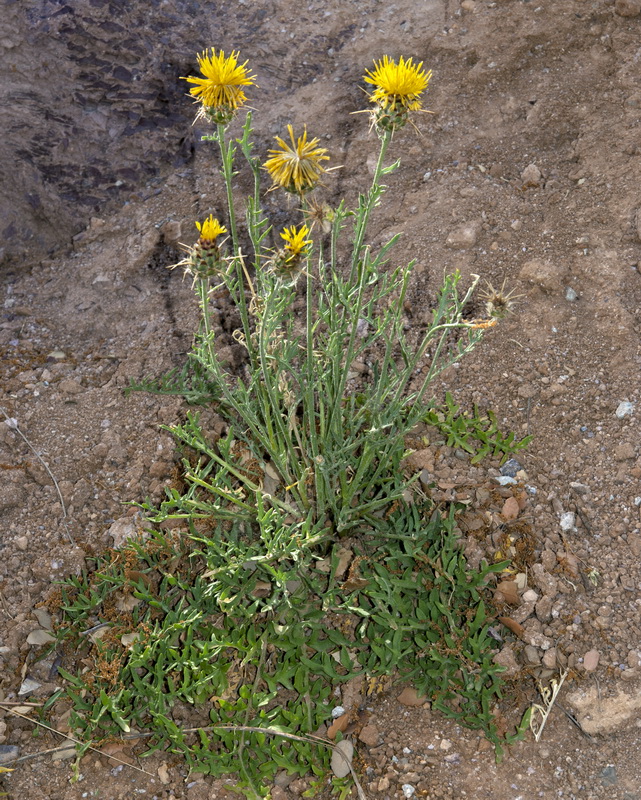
(527,171)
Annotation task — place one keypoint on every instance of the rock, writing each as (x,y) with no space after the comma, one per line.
(624,409)
(543,580)
(464,236)
(544,274)
(537,639)
(408,790)
(8,752)
(523,612)
(278,793)
(624,451)
(530,596)
(370,735)
(543,609)
(531,175)
(532,655)
(40,637)
(511,467)
(634,543)
(122,530)
(70,386)
(549,658)
(507,659)
(510,509)
(28,686)
(410,697)
(627,8)
(342,758)
(598,713)
(571,295)
(591,660)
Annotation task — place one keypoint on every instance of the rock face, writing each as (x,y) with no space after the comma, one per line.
(91,95)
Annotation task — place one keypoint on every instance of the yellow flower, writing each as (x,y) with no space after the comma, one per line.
(296,241)
(221,90)
(398,90)
(297,168)
(210,229)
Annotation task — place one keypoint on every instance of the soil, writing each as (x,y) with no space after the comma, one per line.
(526,171)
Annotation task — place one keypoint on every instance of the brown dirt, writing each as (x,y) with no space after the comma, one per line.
(99,147)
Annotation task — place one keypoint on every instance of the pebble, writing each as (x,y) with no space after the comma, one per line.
(591,660)
(410,697)
(627,8)
(464,236)
(624,409)
(369,735)
(532,655)
(549,658)
(8,752)
(531,175)
(567,521)
(510,468)
(408,790)
(571,295)
(342,758)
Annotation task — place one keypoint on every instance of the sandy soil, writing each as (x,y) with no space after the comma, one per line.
(527,171)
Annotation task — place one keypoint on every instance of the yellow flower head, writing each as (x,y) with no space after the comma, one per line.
(296,241)
(221,90)
(297,168)
(210,229)
(398,90)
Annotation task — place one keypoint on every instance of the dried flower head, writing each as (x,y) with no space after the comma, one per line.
(319,214)
(296,168)
(221,90)
(498,302)
(398,90)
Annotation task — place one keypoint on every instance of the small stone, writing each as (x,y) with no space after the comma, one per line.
(591,660)
(8,752)
(56,355)
(532,655)
(278,793)
(369,735)
(549,658)
(445,744)
(544,274)
(510,509)
(634,543)
(70,386)
(408,790)
(543,609)
(571,295)
(542,579)
(22,542)
(624,409)
(410,697)
(342,758)
(383,784)
(530,596)
(40,637)
(531,175)
(523,612)
(537,639)
(28,686)
(505,658)
(624,451)
(511,467)
(627,8)
(464,236)
(567,521)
